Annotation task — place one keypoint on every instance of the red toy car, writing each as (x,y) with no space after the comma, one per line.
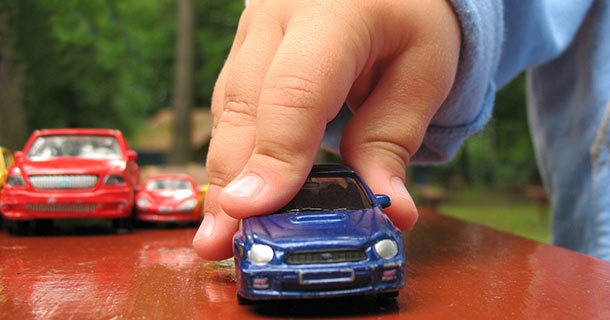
(71,173)
(171,197)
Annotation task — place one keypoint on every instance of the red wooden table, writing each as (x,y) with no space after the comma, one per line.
(455,270)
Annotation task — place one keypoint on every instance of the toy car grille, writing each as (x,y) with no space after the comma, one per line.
(81,181)
(317,257)
(62,207)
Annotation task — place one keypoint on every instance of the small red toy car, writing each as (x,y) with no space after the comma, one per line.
(71,173)
(172,197)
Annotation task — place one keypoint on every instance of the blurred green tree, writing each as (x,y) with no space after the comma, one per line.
(183,83)
(108,63)
(12,114)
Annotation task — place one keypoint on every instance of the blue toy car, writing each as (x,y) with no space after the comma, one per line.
(333,239)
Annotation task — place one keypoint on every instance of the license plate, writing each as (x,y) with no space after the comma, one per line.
(317,277)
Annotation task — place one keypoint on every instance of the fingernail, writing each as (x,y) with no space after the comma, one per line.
(247,187)
(399,188)
(206,228)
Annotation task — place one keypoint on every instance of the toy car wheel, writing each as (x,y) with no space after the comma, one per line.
(387,295)
(123,224)
(18,227)
(244,301)
(43,226)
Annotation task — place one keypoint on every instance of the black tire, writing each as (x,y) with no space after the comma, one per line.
(123,224)
(18,227)
(244,301)
(44,226)
(387,295)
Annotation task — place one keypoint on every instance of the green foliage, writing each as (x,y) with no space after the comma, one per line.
(109,63)
(515,151)
(73,58)
(502,153)
(505,211)
(217,22)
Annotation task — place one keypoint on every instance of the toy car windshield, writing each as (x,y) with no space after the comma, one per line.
(168,184)
(85,146)
(325,193)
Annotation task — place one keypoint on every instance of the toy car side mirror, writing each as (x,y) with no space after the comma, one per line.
(383,200)
(19,156)
(132,155)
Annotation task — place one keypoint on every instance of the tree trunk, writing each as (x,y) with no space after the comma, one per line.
(13,127)
(183,83)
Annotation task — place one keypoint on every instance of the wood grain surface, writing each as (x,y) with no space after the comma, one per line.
(455,270)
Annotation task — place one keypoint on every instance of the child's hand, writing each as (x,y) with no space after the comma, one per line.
(291,67)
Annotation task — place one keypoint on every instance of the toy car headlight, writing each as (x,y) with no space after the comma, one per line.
(15,181)
(142,203)
(188,205)
(260,254)
(386,248)
(114,180)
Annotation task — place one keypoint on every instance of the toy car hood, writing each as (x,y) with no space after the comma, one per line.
(306,227)
(72,165)
(172,195)
(167,197)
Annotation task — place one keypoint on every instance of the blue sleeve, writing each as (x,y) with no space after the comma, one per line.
(468,106)
(565,47)
(500,39)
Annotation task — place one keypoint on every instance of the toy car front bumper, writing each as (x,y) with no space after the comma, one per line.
(108,203)
(320,282)
(170,216)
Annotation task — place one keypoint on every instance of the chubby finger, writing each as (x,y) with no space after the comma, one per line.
(213,240)
(234,104)
(304,88)
(235,99)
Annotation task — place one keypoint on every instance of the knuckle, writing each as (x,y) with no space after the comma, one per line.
(290,88)
(281,153)
(395,150)
(235,103)
(277,150)
(392,151)
(217,176)
(238,113)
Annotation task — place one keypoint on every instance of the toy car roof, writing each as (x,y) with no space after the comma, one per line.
(331,168)
(76,131)
(180,176)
